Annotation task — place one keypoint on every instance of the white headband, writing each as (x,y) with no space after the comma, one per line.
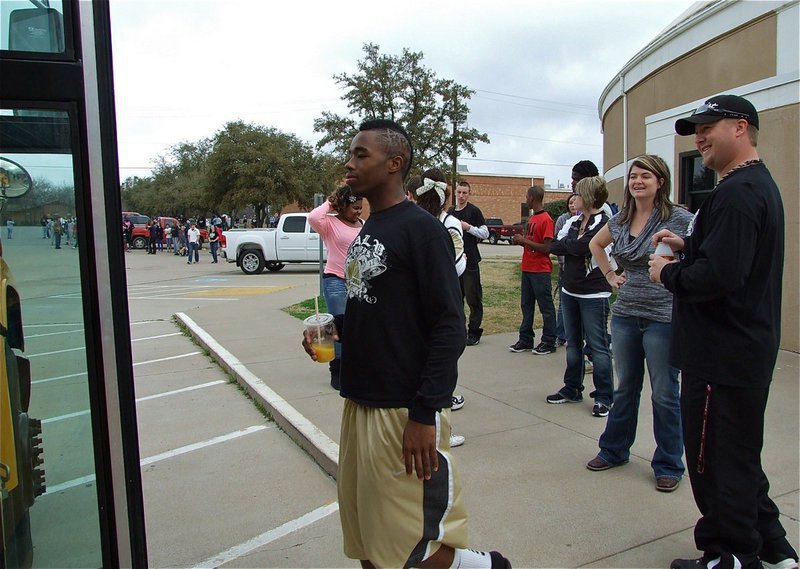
(428,185)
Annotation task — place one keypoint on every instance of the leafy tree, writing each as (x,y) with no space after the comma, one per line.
(555,208)
(45,193)
(259,166)
(178,185)
(434,111)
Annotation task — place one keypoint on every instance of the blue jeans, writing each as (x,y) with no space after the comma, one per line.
(214,246)
(335,293)
(585,318)
(560,333)
(636,341)
(535,289)
(194,248)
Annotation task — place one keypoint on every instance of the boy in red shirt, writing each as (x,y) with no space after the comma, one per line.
(536,283)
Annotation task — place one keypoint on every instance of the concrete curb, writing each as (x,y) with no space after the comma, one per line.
(302,431)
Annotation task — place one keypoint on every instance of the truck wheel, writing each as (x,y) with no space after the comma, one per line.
(252,262)
(274,266)
(139,243)
(493,238)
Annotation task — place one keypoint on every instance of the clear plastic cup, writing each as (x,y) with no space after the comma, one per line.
(320,333)
(665,251)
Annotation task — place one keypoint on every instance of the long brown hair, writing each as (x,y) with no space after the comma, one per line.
(658,167)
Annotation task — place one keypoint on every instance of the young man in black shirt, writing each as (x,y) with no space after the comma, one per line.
(726,333)
(474,226)
(402,335)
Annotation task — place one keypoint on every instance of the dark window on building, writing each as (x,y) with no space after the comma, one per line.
(696,181)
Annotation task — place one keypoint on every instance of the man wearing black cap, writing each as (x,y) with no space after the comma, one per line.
(726,322)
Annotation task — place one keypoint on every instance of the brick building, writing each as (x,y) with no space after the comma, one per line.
(503,196)
(497,195)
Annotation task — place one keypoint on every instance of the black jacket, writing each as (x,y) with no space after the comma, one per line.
(728,284)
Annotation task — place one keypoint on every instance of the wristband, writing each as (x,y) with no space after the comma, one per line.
(608,271)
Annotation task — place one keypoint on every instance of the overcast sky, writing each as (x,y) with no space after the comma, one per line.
(182,69)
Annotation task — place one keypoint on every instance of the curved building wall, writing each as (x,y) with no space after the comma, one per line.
(746,48)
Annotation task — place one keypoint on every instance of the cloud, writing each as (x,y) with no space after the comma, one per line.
(183,68)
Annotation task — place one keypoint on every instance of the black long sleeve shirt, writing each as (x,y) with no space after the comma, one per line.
(727,286)
(403,328)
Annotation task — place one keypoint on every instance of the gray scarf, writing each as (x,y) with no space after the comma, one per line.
(632,248)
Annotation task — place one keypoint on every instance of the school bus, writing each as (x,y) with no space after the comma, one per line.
(21,464)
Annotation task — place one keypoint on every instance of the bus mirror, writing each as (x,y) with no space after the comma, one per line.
(36,29)
(14,179)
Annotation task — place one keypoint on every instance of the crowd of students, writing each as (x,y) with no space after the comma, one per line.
(718,287)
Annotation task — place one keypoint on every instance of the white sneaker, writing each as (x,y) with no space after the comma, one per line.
(458,402)
(456,441)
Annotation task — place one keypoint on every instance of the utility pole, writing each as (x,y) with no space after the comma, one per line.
(454,156)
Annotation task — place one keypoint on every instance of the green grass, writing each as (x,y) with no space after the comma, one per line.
(305,308)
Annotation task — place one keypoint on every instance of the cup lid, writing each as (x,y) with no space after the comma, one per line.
(321,319)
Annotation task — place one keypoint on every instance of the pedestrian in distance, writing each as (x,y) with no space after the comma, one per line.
(726,279)
(58,231)
(393,452)
(338,221)
(159,236)
(9,228)
(193,239)
(536,283)
(213,242)
(152,237)
(641,323)
(474,226)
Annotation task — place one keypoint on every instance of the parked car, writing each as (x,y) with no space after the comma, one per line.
(140,236)
(292,241)
(498,231)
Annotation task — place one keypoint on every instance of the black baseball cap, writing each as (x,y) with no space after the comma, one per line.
(716,108)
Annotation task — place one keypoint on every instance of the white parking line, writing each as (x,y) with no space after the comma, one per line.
(31,356)
(163,456)
(183,390)
(58,377)
(165,359)
(138,400)
(159,336)
(268,537)
(203,444)
(54,325)
(27,337)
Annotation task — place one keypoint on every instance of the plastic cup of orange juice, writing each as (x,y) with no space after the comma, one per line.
(320,334)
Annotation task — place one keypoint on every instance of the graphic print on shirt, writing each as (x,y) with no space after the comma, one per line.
(458,242)
(366,259)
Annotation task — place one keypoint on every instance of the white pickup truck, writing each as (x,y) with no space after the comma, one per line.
(293,241)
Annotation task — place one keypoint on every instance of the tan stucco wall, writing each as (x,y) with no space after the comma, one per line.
(745,55)
(778,146)
(613,143)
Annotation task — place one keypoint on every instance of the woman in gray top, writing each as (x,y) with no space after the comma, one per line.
(641,323)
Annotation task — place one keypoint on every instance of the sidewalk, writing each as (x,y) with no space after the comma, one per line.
(528,492)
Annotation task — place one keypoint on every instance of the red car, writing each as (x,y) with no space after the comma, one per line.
(141,236)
